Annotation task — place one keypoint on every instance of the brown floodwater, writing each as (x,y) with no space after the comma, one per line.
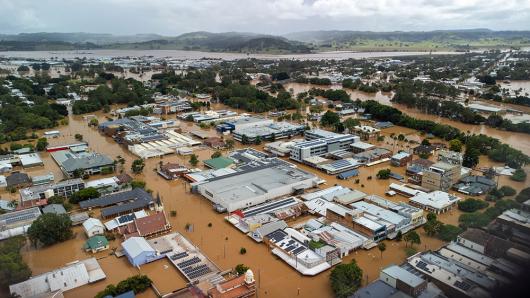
(520,141)
(221,242)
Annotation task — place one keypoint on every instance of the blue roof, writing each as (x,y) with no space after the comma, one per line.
(348,174)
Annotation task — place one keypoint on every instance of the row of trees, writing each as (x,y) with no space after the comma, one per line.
(476,145)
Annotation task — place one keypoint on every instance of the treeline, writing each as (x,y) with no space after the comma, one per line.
(314,81)
(476,144)
(124,91)
(18,118)
(331,94)
(453,110)
(234,89)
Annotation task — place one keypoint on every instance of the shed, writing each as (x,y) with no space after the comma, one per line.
(218,162)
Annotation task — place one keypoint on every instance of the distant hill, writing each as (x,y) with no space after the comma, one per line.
(298,42)
(399,40)
(78,37)
(204,41)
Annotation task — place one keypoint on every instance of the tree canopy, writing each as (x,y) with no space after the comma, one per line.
(50,228)
(346,279)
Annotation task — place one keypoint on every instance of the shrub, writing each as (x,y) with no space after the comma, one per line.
(471,205)
(243,251)
(507,190)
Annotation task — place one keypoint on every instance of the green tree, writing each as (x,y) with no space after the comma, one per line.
(42,143)
(241,269)
(330,119)
(78,136)
(84,194)
(523,195)
(384,174)
(471,205)
(137,166)
(432,227)
(449,232)
(471,157)
(50,228)
(508,191)
(382,247)
(13,269)
(245,140)
(257,141)
(455,145)
(412,237)
(137,284)
(138,184)
(216,154)
(93,122)
(350,123)
(194,160)
(346,279)
(230,144)
(519,175)
(399,236)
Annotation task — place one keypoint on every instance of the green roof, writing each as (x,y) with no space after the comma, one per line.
(95,242)
(218,162)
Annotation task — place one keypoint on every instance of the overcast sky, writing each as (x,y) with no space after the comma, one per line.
(173,17)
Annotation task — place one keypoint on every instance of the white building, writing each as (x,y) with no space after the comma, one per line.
(93,226)
(436,201)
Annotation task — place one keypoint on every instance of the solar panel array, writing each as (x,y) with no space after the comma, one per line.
(340,164)
(126,218)
(197,271)
(422,265)
(18,218)
(277,235)
(269,207)
(462,285)
(179,256)
(189,262)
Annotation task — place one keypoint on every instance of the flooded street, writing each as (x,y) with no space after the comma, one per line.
(221,242)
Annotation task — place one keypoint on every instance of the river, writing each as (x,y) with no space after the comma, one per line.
(186,55)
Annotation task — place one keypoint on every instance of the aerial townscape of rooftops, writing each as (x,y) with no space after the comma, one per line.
(328,163)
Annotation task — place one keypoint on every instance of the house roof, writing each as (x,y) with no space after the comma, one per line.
(95,242)
(17,178)
(218,162)
(135,246)
(54,208)
(90,223)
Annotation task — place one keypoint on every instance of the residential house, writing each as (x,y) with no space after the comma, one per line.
(96,244)
(93,226)
(139,252)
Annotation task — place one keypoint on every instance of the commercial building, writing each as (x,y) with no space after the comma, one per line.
(120,203)
(372,155)
(403,280)
(80,162)
(436,201)
(416,168)
(243,286)
(441,176)
(400,159)
(38,195)
(17,222)
(281,148)
(290,245)
(218,162)
(475,185)
(171,171)
(43,179)
(271,131)
(321,146)
(30,160)
(255,185)
(367,132)
(414,215)
(54,283)
(450,157)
